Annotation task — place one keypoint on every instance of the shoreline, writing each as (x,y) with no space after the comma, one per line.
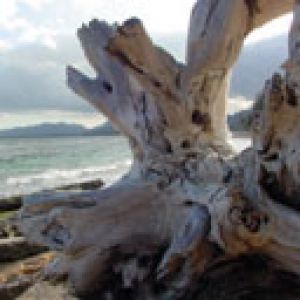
(14,202)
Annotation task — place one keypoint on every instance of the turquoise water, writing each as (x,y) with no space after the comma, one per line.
(30,165)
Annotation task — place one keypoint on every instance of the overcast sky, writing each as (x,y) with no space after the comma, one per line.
(37,40)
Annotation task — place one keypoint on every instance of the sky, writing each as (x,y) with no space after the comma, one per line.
(37,40)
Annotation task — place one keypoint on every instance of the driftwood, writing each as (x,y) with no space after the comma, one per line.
(190,211)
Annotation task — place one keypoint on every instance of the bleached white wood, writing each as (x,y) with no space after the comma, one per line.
(186,193)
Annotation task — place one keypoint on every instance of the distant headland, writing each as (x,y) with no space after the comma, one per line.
(58,129)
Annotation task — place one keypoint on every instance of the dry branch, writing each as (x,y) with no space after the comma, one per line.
(187,204)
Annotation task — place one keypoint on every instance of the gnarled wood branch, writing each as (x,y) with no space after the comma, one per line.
(187,203)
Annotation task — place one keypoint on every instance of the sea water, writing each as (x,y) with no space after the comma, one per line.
(31,165)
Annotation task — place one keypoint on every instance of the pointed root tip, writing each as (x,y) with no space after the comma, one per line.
(133,25)
(100,27)
(103,26)
(73,77)
(96,24)
(132,22)
(71,72)
(81,30)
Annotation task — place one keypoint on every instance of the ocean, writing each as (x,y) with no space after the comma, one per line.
(30,165)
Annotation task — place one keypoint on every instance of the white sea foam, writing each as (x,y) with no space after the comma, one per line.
(53,178)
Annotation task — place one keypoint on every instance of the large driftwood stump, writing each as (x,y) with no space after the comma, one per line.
(190,212)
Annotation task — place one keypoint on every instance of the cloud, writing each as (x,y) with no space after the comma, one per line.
(36,4)
(7,10)
(4,46)
(164,17)
(16,23)
(237,104)
(32,76)
(24,21)
(37,41)
(29,21)
(276,27)
(44,35)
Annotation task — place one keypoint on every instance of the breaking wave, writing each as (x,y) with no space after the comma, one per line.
(53,178)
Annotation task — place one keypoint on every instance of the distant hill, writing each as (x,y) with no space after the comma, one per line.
(104,129)
(240,121)
(56,130)
(256,64)
(44,130)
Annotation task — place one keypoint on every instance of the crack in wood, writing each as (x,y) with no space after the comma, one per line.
(291,97)
(276,188)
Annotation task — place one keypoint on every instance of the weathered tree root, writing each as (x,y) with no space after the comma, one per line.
(188,206)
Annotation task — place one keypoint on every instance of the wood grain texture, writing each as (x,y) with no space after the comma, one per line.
(188,203)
